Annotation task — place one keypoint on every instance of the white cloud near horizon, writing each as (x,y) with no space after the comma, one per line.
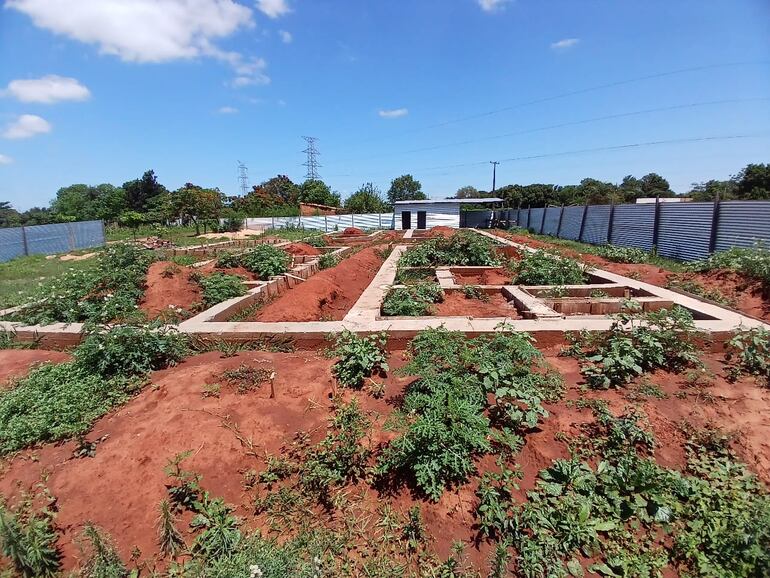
(393,113)
(565,43)
(150,31)
(227,110)
(47,89)
(5,160)
(273,8)
(286,37)
(492,5)
(26,126)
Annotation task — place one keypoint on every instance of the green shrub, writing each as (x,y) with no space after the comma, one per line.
(462,248)
(360,357)
(101,556)
(748,352)
(415,276)
(637,342)
(413,300)
(29,540)
(127,350)
(266,261)
(623,254)
(753,263)
(228,261)
(220,287)
(546,268)
(328,260)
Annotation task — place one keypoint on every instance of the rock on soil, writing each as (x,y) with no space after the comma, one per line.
(17,362)
(327,295)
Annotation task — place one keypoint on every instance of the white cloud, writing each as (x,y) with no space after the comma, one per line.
(273,8)
(394,113)
(286,37)
(26,126)
(47,90)
(147,30)
(5,160)
(227,110)
(492,5)
(565,43)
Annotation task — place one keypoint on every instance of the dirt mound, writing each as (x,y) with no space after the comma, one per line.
(352,231)
(326,295)
(169,285)
(18,362)
(441,231)
(301,249)
(456,303)
(496,276)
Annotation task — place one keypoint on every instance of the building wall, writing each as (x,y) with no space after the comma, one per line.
(444,215)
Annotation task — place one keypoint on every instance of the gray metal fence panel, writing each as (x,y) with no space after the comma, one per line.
(477,219)
(48,239)
(570,223)
(742,224)
(11,244)
(551,223)
(596,224)
(632,226)
(535,219)
(87,234)
(684,230)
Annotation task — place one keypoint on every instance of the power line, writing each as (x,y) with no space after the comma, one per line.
(243,178)
(571,123)
(312,162)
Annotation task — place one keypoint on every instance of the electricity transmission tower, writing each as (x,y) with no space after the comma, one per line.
(243,178)
(494,173)
(312,162)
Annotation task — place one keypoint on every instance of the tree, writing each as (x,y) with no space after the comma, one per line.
(467,192)
(132,219)
(193,204)
(707,191)
(318,192)
(405,188)
(753,182)
(9,217)
(653,185)
(281,187)
(140,191)
(367,199)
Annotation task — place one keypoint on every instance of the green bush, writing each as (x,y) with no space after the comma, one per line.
(220,287)
(328,260)
(462,248)
(360,357)
(127,350)
(266,261)
(748,352)
(29,540)
(413,300)
(228,261)
(623,254)
(545,268)
(753,263)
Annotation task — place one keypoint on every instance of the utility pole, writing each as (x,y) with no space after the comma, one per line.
(494,171)
(312,163)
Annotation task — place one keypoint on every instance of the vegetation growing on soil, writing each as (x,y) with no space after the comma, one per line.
(619,254)
(684,282)
(462,248)
(405,276)
(748,352)
(359,357)
(28,539)
(413,300)
(263,260)
(447,427)
(753,263)
(107,292)
(220,287)
(547,268)
(637,342)
(328,260)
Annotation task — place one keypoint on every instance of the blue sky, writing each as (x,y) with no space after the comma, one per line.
(100,91)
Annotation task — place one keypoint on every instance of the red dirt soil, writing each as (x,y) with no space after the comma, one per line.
(166,289)
(353,232)
(120,488)
(301,249)
(441,231)
(746,293)
(18,362)
(457,304)
(327,295)
(496,276)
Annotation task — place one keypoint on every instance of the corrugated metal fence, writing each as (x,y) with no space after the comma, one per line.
(50,239)
(324,222)
(685,231)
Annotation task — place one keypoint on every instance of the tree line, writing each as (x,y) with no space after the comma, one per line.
(145,200)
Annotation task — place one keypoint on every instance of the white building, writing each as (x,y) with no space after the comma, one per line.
(433,213)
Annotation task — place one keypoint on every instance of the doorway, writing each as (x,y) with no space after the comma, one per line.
(406,219)
(421,219)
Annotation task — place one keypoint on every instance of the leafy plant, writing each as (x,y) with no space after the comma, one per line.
(360,357)
(170,540)
(220,287)
(473,292)
(637,342)
(102,558)
(462,248)
(228,260)
(753,263)
(748,352)
(220,533)
(546,268)
(328,260)
(408,276)
(29,540)
(684,282)
(623,254)
(413,300)
(266,261)
(495,494)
